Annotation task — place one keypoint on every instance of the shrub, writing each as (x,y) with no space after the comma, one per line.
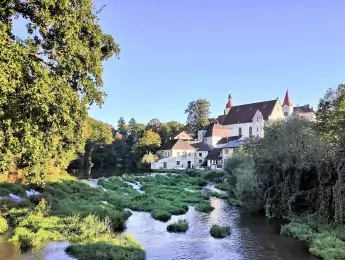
(3,225)
(180,226)
(102,251)
(161,215)
(217,195)
(219,231)
(204,206)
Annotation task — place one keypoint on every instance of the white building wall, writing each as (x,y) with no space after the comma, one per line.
(200,157)
(287,111)
(244,128)
(183,157)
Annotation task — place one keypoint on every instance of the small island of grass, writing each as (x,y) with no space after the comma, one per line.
(180,226)
(219,231)
(204,206)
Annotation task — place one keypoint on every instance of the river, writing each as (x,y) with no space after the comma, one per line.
(252,237)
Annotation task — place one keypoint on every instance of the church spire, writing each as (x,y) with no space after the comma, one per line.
(287,101)
(229,104)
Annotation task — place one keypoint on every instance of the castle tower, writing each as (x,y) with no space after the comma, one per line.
(229,105)
(287,105)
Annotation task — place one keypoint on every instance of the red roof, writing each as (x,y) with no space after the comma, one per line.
(287,101)
(229,104)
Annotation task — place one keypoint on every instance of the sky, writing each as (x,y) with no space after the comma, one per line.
(176,51)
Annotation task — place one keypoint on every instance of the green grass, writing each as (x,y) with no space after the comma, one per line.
(326,240)
(122,248)
(235,202)
(217,231)
(180,226)
(218,195)
(204,206)
(222,186)
(73,210)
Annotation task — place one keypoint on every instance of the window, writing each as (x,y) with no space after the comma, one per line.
(226,151)
(178,154)
(239,131)
(257,119)
(250,131)
(257,129)
(200,161)
(177,162)
(285,113)
(189,154)
(184,154)
(200,154)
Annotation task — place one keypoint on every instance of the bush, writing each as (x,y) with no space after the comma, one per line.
(161,215)
(180,226)
(217,195)
(204,206)
(219,231)
(3,225)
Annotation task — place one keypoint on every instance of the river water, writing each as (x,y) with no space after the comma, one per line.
(252,237)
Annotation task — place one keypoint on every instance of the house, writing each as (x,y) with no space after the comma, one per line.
(305,111)
(214,159)
(175,153)
(200,153)
(213,133)
(229,148)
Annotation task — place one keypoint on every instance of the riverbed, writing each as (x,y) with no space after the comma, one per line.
(252,237)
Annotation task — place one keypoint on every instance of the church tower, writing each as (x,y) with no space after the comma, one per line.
(229,105)
(287,105)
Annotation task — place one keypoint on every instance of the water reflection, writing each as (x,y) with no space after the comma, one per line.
(252,237)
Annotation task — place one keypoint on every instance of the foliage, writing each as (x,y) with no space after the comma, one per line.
(47,81)
(180,226)
(148,158)
(244,183)
(330,116)
(168,129)
(325,240)
(219,232)
(198,113)
(102,251)
(204,206)
(148,142)
(3,225)
(122,127)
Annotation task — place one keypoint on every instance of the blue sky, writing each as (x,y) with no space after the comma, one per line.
(176,51)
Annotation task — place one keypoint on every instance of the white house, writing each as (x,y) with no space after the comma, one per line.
(213,133)
(305,111)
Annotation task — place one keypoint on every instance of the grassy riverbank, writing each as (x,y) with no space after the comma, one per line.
(93,218)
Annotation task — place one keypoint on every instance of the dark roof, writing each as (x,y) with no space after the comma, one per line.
(214,154)
(245,113)
(224,140)
(303,109)
(218,130)
(176,144)
(200,146)
(221,119)
(233,144)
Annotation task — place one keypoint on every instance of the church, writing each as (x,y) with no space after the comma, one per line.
(249,119)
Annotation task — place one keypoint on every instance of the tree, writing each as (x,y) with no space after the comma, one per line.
(148,159)
(331,116)
(47,81)
(134,131)
(98,134)
(122,127)
(198,113)
(148,142)
(154,125)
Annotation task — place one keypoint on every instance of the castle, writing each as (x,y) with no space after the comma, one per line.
(217,141)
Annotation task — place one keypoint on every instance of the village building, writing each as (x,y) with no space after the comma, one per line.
(217,141)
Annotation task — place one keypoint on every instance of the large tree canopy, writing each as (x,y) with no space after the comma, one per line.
(198,112)
(47,80)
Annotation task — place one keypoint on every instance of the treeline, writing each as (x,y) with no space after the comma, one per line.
(128,147)
(297,172)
